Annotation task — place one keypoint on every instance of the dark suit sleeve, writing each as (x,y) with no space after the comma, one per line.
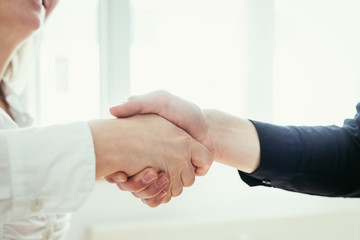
(315,160)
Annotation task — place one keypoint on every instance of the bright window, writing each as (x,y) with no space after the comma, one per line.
(282,61)
(68,76)
(316,61)
(195,52)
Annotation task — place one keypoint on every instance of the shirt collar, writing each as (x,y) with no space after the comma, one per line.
(17,107)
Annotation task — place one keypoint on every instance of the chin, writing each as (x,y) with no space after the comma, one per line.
(33,23)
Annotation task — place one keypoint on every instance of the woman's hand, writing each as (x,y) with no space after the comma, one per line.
(184,114)
(232,140)
(149,185)
(132,144)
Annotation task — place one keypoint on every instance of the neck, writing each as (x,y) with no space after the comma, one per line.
(7,48)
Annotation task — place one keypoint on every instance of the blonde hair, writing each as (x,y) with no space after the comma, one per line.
(16,71)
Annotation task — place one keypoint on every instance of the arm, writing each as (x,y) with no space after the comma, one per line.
(52,169)
(322,160)
(149,140)
(314,160)
(45,170)
(223,134)
(192,119)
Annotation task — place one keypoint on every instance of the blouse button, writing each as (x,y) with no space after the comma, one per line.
(266,182)
(47,235)
(36,205)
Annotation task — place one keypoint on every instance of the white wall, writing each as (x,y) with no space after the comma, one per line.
(340,225)
(218,196)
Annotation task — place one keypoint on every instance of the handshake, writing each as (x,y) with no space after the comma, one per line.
(159,143)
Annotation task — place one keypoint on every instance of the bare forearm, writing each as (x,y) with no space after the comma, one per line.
(103,145)
(236,141)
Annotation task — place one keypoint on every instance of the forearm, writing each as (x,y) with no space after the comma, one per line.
(313,160)
(113,144)
(132,144)
(45,170)
(235,140)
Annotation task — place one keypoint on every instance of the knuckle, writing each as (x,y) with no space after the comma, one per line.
(135,195)
(148,202)
(210,158)
(191,182)
(132,98)
(161,93)
(200,173)
(120,186)
(167,200)
(187,140)
(149,193)
(182,161)
(153,204)
(186,150)
(176,191)
(135,188)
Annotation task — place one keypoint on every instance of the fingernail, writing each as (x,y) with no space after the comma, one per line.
(161,194)
(149,177)
(118,178)
(162,181)
(124,102)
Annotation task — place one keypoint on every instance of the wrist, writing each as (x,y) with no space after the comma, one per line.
(235,140)
(103,153)
(213,132)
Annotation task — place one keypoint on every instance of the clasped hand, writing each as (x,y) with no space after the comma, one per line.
(147,145)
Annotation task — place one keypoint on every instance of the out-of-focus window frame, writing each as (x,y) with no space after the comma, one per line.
(114,40)
(114,33)
(115,43)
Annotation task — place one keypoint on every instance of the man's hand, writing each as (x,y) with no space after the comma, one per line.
(147,185)
(182,113)
(232,140)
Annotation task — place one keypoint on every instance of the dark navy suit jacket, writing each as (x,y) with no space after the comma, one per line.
(321,160)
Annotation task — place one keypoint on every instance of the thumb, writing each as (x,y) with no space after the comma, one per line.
(201,158)
(142,104)
(118,177)
(126,109)
(180,112)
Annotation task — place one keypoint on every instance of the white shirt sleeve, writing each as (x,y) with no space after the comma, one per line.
(49,170)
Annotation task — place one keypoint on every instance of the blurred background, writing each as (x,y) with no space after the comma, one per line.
(281,61)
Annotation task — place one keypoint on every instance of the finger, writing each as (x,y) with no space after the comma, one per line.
(180,112)
(177,187)
(188,176)
(167,198)
(141,104)
(154,189)
(201,158)
(156,201)
(140,181)
(118,177)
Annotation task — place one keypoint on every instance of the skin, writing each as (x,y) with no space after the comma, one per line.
(130,145)
(232,140)
(19,19)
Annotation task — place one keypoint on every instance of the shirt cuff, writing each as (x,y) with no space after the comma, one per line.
(52,168)
(278,153)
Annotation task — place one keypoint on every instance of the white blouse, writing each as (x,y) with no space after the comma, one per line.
(45,173)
